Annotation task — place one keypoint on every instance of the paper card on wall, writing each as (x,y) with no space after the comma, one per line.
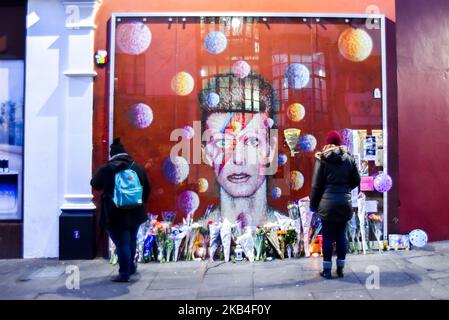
(380,157)
(367,184)
(380,146)
(370,148)
(371,206)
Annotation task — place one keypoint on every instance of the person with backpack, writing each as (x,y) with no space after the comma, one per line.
(335,176)
(126,189)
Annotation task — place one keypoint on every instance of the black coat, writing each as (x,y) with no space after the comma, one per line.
(104,179)
(335,175)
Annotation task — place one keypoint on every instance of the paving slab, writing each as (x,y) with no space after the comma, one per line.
(415,274)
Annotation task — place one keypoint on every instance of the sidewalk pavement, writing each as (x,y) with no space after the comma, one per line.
(416,274)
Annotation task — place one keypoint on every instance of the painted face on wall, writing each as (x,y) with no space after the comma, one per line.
(238,146)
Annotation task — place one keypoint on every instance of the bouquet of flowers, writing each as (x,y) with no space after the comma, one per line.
(169,247)
(168,217)
(376,227)
(226,235)
(214,238)
(295,215)
(160,232)
(259,241)
(273,239)
(281,237)
(316,225)
(352,231)
(247,244)
(148,249)
(192,237)
(306,218)
(144,228)
(180,237)
(291,238)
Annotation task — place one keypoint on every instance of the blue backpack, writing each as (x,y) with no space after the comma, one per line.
(128,189)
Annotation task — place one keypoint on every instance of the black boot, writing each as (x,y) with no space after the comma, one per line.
(326,273)
(120,278)
(340,272)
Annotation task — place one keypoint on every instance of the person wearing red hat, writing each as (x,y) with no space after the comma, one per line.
(335,175)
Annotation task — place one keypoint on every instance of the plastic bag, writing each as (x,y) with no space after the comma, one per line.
(226,234)
(148,253)
(214,232)
(247,243)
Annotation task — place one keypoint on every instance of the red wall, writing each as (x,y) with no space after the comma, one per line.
(386,7)
(423,115)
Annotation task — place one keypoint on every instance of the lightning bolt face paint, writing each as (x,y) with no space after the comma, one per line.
(238,146)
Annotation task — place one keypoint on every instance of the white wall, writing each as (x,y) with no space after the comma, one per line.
(44,132)
(58,120)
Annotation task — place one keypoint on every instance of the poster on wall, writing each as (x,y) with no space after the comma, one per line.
(370,148)
(379,161)
(11,138)
(227,113)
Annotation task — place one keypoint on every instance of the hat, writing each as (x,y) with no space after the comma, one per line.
(116,147)
(333,137)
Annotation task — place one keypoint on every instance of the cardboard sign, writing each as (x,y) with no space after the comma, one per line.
(367,184)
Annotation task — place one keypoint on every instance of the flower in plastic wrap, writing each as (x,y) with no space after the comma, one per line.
(293,211)
(169,247)
(297,75)
(259,242)
(160,240)
(192,238)
(141,235)
(306,220)
(383,182)
(376,226)
(168,216)
(241,69)
(140,116)
(214,234)
(291,239)
(175,170)
(226,234)
(148,252)
(307,143)
(284,222)
(273,240)
(215,42)
(180,235)
(355,44)
(247,243)
(132,37)
(182,83)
